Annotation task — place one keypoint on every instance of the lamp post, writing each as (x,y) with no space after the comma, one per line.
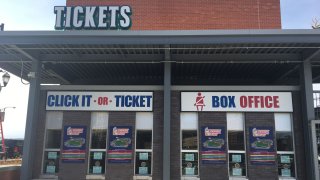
(3,144)
(5,81)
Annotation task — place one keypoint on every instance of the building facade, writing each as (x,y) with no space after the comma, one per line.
(216,90)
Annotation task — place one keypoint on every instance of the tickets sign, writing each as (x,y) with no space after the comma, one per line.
(237,101)
(99,101)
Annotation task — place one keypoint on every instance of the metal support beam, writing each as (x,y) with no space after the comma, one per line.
(31,124)
(308,116)
(167,116)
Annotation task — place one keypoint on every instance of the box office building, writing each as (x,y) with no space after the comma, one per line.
(167,90)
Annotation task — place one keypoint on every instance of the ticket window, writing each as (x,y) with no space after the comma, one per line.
(236,145)
(98,142)
(189,144)
(285,150)
(143,148)
(52,142)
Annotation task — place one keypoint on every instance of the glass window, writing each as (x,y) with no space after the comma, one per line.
(236,144)
(143,163)
(286,165)
(285,151)
(97,162)
(53,139)
(98,138)
(284,141)
(189,163)
(98,143)
(144,139)
(143,160)
(52,142)
(189,140)
(237,164)
(236,140)
(51,162)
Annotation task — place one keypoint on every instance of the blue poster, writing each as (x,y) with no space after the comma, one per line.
(120,144)
(74,144)
(262,151)
(213,145)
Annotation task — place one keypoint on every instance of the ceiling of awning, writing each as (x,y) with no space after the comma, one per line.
(141,63)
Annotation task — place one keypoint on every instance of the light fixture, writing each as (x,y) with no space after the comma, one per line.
(5,79)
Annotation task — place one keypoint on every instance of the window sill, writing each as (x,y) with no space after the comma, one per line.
(47,176)
(142,177)
(190,178)
(93,176)
(287,178)
(238,178)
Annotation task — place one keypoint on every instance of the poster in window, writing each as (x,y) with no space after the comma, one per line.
(74,144)
(213,145)
(236,172)
(236,158)
(97,155)
(50,169)
(284,159)
(120,144)
(189,171)
(286,172)
(189,157)
(52,155)
(97,170)
(143,156)
(262,151)
(143,170)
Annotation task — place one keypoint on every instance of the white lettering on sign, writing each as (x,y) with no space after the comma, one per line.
(102,101)
(92,17)
(237,101)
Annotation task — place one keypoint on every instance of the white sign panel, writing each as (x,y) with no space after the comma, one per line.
(99,101)
(237,101)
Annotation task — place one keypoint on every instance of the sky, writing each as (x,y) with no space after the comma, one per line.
(38,15)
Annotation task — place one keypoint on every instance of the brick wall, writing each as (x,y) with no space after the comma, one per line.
(197,15)
(157,135)
(212,171)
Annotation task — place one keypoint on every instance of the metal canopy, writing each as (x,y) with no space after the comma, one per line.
(232,57)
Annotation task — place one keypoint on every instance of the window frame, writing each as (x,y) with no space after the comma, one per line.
(144,115)
(194,115)
(97,150)
(44,149)
(238,151)
(293,152)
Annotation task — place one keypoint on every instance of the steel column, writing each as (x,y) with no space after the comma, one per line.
(167,117)
(308,116)
(31,124)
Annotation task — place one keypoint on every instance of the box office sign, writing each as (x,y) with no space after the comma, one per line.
(262,147)
(237,101)
(99,101)
(120,144)
(213,145)
(74,144)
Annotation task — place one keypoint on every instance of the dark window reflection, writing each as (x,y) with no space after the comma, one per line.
(189,140)
(284,141)
(236,140)
(98,139)
(53,139)
(144,139)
